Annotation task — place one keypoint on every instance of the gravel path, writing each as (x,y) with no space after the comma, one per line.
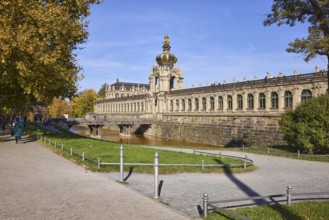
(184,191)
(35,183)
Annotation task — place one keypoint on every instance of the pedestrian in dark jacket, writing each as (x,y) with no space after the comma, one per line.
(18,129)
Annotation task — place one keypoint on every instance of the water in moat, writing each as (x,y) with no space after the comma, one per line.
(113,136)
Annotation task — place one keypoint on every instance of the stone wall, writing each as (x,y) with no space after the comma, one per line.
(221,131)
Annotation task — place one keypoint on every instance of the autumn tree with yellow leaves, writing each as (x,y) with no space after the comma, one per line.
(83,103)
(58,108)
(37,43)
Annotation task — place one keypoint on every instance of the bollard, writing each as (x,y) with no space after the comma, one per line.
(121,163)
(289,195)
(41,137)
(49,142)
(62,146)
(99,163)
(268,150)
(220,155)
(83,156)
(45,139)
(71,151)
(202,164)
(193,151)
(245,162)
(205,205)
(156,175)
(298,153)
(242,147)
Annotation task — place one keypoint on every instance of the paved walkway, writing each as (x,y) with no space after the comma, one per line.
(35,183)
(184,191)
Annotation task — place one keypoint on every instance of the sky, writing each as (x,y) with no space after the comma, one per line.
(213,40)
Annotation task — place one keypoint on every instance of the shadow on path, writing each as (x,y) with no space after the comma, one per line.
(283,211)
(129,174)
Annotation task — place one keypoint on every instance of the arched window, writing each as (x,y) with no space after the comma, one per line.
(262,101)
(183,104)
(117,95)
(274,100)
(306,95)
(196,102)
(177,105)
(189,105)
(250,101)
(240,102)
(220,103)
(204,104)
(229,102)
(287,99)
(212,104)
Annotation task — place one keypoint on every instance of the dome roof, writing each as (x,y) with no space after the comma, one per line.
(166,58)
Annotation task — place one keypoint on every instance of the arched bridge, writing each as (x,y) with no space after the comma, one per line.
(125,124)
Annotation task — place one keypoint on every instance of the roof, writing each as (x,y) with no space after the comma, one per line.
(128,85)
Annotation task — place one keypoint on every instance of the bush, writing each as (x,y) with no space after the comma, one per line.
(307,127)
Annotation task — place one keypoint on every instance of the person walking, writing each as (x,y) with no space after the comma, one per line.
(18,129)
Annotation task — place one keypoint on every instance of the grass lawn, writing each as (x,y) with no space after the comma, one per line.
(282,151)
(296,211)
(110,152)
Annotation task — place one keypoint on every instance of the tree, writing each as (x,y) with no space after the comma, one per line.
(102,91)
(83,103)
(307,127)
(58,107)
(316,13)
(37,43)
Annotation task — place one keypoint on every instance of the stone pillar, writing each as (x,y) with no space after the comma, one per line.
(256,101)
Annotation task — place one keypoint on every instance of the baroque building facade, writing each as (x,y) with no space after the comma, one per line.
(225,114)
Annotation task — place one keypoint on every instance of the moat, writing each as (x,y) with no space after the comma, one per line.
(113,136)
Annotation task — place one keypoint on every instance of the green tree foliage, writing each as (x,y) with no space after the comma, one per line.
(58,107)
(316,13)
(83,103)
(307,127)
(102,91)
(37,43)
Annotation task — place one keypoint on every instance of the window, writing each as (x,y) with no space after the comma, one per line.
(177,105)
(189,104)
(250,101)
(212,104)
(229,102)
(274,100)
(183,104)
(287,99)
(306,95)
(220,103)
(138,106)
(142,106)
(262,101)
(240,102)
(171,105)
(204,104)
(196,102)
